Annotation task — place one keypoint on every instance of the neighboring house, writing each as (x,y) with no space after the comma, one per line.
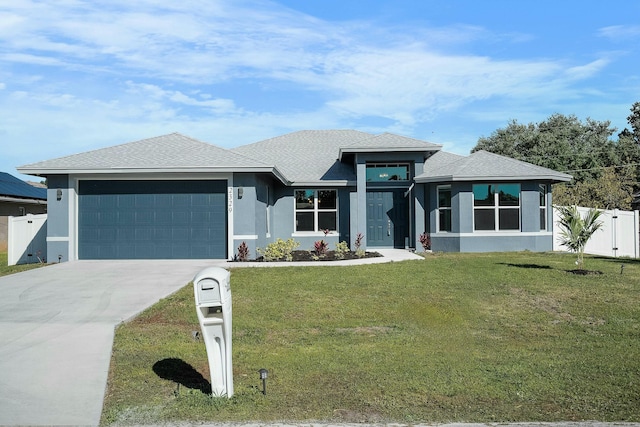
(176,197)
(18,198)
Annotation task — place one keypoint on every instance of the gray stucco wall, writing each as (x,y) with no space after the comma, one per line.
(283,221)
(463,238)
(251,199)
(58,218)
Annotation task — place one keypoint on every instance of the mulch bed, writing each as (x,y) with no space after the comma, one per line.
(311,256)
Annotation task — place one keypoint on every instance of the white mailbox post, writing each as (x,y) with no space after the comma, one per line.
(212,292)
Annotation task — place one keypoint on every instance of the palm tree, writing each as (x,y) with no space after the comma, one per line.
(575,230)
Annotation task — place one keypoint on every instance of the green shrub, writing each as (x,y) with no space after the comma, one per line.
(341,249)
(279,250)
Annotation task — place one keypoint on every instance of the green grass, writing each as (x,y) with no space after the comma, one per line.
(456,337)
(11,269)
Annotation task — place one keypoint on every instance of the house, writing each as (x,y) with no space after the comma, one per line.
(176,197)
(18,198)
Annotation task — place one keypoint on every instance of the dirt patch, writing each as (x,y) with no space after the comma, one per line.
(366,330)
(554,308)
(351,416)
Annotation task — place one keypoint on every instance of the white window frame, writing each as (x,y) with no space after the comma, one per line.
(442,208)
(497,208)
(543,189)
(268,213)
(316,210)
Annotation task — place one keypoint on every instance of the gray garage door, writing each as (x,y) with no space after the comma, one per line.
(152,220)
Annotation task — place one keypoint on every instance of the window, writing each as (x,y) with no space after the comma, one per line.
(496,207)
(316,210)
(382,172)
(268,212)
(543,206)
(444,208)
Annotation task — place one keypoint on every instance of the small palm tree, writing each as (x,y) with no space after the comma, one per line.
(575,230)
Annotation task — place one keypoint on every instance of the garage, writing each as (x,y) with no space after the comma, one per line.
(152,219)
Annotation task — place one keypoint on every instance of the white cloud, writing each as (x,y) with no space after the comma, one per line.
(620,32)
(587,70)
(102,72)
(403,84)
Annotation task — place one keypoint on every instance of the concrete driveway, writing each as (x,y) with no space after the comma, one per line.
(56,333)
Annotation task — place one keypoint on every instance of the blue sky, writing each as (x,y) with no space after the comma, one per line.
(77,75)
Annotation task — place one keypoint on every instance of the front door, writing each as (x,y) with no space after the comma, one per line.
(387,218)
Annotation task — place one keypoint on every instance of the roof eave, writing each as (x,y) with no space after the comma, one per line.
(29,200)
(354,150)
(140,170)
(332,183)
(479,178)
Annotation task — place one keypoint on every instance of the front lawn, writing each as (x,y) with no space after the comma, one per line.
(456,337)
(11,269)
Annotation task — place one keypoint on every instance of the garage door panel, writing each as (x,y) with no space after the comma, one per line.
(143,201)
(164,217)
(123,201)
(162,234)
(152,219)
(144,218)
(180,200)
(107,218)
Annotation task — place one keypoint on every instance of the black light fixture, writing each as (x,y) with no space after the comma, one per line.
(263,376)
(58,194)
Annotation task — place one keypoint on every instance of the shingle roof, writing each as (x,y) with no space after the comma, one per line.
(308,156)
(304,157)
(389,142)
(483,165)
(173,152)
(14,187)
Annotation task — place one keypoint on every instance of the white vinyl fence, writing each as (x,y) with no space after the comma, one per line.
(618,236)
(27,239)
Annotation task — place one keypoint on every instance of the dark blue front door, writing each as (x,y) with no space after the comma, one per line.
(387,218)
(152,219)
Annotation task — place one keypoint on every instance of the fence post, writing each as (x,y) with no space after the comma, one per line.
(636,234)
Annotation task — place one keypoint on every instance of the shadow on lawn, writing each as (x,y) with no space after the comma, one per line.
(580,272)
(542,267)
(621,260)
(179,371)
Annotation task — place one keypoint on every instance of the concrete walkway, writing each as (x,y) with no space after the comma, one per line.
(57,325)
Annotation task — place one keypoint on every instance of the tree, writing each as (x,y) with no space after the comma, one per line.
(562,143)
(612,190)
(605,172)
(628,147)
(575,230)
(634,121)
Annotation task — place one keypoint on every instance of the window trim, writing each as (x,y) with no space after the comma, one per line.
(315,210)
(544,221)
(375,165)
(497,208)
(443,208)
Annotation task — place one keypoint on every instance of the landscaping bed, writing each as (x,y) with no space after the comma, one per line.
(312,256)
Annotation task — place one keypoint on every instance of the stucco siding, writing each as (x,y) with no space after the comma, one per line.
(252,194)
(58,211)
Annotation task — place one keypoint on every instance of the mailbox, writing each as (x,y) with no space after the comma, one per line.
(212,292)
